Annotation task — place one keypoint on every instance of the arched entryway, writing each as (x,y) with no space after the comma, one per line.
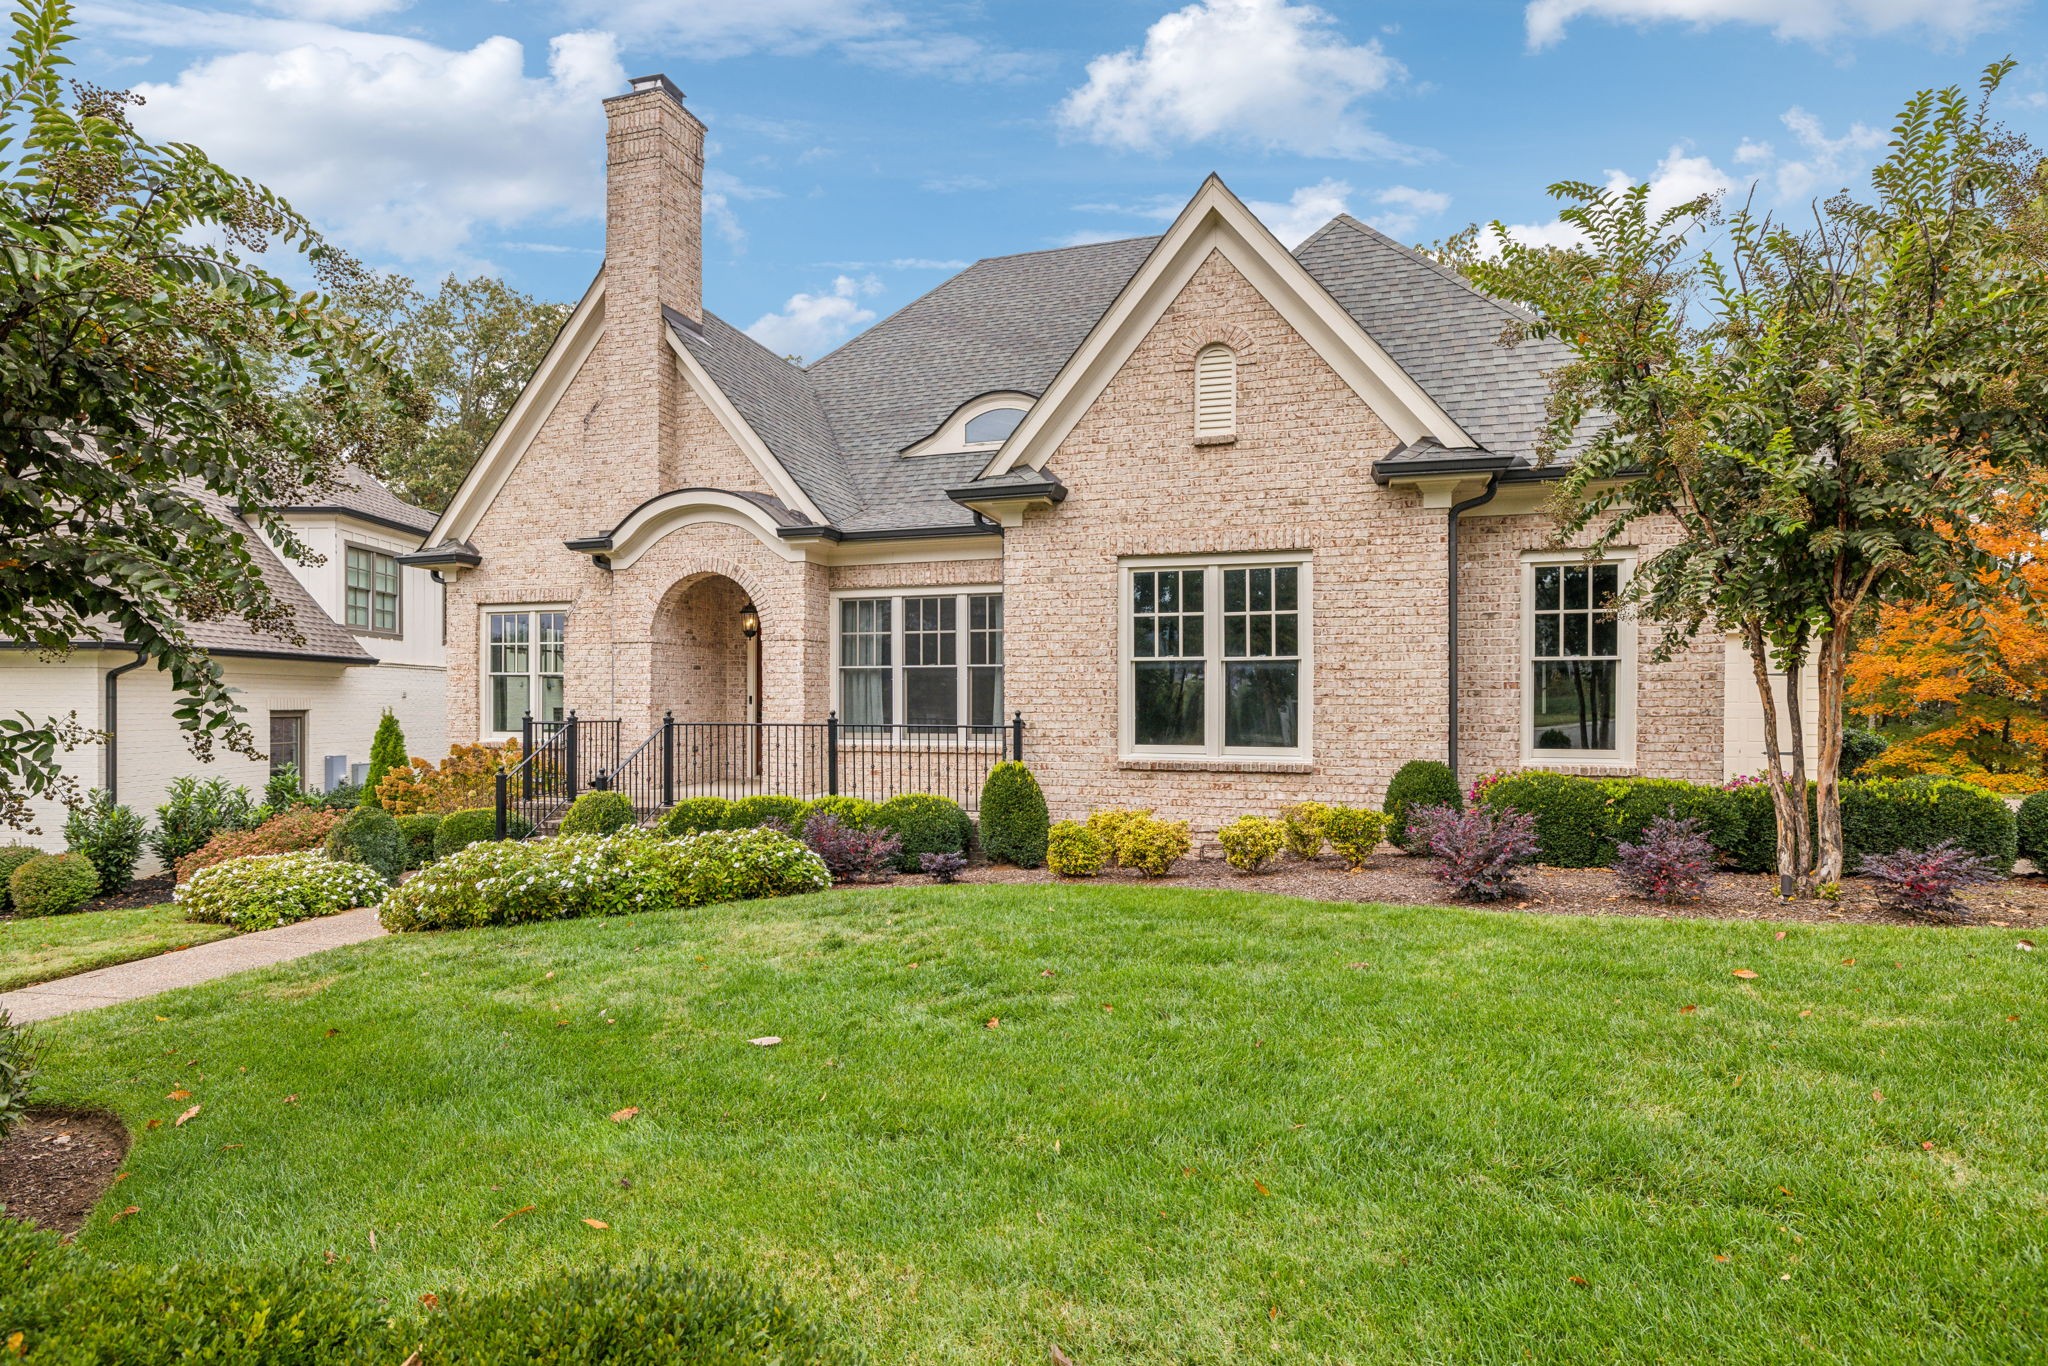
(707,653)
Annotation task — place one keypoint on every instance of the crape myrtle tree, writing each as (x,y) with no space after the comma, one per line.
(153,375)
(1820,409)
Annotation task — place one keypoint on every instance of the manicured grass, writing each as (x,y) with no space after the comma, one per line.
(1208,1127)
(42,948)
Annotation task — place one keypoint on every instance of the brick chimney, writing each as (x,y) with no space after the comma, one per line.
(653,253)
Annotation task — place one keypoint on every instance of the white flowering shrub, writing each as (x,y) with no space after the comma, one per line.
(510,882)
(265,890)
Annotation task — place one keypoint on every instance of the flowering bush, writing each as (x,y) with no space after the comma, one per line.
(1304,822)
(1474,853)
(1076,850)
(942,867)
(1251,841)
(265,890)
(1354,832)
(850,853)
(1482,785)
(302,827)
(1924,882)
(509,882)
(466,778)
(1672,862)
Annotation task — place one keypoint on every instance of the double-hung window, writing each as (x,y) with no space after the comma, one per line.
(923,661)
(1216,657)
(1580,661)
(525,653)
(371,591)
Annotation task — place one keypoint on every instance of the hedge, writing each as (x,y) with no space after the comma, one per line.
(599,813)
(12,856)
(52,884)
(694,814)
(750,813)
(1014,821)
(369,835)
(923,824)
(418,830)
(1574,828)
(1638,801)
(268,890)
(460,829)
(1884,815)
(1419,782)
(2032,821)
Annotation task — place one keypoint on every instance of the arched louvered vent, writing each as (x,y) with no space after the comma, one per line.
(1215,392)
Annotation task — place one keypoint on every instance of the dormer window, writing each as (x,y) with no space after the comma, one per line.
(981,424)
(1215,393)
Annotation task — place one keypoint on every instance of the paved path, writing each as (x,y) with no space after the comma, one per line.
(189,967)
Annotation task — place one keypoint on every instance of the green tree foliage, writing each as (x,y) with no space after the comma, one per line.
(152,373)
(387,751)
(1816,408)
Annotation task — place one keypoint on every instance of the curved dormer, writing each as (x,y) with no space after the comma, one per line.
(980,424)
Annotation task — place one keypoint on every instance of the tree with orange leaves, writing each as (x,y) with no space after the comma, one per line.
(1970,681)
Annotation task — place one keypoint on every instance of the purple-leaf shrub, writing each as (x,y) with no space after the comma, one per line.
(1672,862)
(850,854)
(942,867)
(1475,852)
(1924,882)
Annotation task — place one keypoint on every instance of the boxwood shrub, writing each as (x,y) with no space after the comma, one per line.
(1250,842)
(460,829)
(418,830)
(857,812)
(267,890)
(53,884)
(1635,802)
(1014,821)
(1419,782)
(693,814)
(12,856)
(923,824)
(1075,850)
(2032,831)
(600,813)
(1885,815)
(1574,827)
(369,835)
(750,812)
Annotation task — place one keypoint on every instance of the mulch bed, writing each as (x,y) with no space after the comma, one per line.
(1394,878)
(144,891)
(55,1165)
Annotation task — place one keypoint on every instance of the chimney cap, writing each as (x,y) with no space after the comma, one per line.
(640,85)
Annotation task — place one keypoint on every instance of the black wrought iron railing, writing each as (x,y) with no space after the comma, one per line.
(736,759)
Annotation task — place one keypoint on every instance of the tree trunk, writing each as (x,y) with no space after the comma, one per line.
(1787,804)
(1833,679)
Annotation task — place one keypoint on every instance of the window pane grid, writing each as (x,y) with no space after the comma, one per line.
(1252,666)
(1575,656)
(931,661)
(527,660)
(370,590)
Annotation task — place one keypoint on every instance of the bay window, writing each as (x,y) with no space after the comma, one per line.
(902,660)
(1580,662)
(525,654)
(1216,657)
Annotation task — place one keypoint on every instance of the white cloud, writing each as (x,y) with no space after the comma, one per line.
(1681,176)
(812,324)
(1403,209)
(957,184)
(1827,164)
(334,11)
(721,189)
(1265,73)
(397,147)
(1808,20)
(866,31)
(1307,209)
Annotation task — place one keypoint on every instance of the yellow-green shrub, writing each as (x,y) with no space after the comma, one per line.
(1304,822)
(1250,841)
(1108,825)
(1151,845)
(1354,832)
(1073,850)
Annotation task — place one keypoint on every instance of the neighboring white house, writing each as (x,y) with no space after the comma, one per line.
(372,639)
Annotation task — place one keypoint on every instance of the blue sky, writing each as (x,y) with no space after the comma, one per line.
(861,149)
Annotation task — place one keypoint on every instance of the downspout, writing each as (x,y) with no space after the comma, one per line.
(113,718)
(1451,571)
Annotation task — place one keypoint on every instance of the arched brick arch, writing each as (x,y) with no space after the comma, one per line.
(1227,333)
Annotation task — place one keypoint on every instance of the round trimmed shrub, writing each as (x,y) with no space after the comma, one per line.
(12,856)
(1859,747)
(1153,846)
(693,814)
(1304,822)
(856,813)
(1074,850)
(418,832)
(2031,831)
(369,835)
(923,824)
(460,829)
(1014,821)
(302,827)
(751,812)
(53,884)
(600,813)
(267,890)
(1355,832)
(1574,826)
(1250,842)
(1419,782)
(110,838)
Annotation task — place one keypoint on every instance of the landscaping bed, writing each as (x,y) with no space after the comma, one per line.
(56,1164)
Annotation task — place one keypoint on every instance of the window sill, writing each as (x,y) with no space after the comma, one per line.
(1206,763)
(1220,439)
(1609,766)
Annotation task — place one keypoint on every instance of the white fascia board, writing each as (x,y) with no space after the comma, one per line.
(1215,220)
(658,517)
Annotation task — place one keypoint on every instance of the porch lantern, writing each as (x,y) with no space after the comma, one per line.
(750,621)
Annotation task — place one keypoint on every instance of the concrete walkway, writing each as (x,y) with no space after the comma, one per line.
(189,967)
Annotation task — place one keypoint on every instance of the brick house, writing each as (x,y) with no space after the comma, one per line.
(1222,523)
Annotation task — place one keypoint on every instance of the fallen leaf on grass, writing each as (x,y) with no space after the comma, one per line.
(523,1209)
(1804,1013)
(621,1116)
(119,1177)
(994,1022)
(2024,945)
(1877,1095)
(162,1019)
(332,1032)
(1744,973)
(229,1147)
(597,1223)
(187,1115)
(431,1300)
(766,1041)
(1779,935)
(179,1095)
(1580,1280)
(1720,1256)
(14,1341)
(1260,1187)
(292,1099)
(1927,1146)
(1687,1010)
(154,1124)
(1783,1191)
(132,1209)
(1273,1311)
(1060,1358)
(413,1360)
(1047,973)
(1848,962)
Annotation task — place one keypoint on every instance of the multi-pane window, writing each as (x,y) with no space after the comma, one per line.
(371,592)
(1575,665)
(288,742)
(1233,684)
(525,657)
(903,660)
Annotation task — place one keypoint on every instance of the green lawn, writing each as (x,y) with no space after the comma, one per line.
(1209,1126)
(41,948)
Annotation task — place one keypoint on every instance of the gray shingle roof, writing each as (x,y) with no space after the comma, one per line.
(358,492)
(1009,323)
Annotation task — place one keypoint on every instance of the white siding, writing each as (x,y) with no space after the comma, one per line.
(1743,715)
(420,598)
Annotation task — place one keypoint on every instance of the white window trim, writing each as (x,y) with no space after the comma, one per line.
(485,612)
(1128,748)
(370,628)
(951,438)
(1623,755)
(899,728)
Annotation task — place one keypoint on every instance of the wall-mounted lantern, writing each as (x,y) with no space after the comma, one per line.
(750,621)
